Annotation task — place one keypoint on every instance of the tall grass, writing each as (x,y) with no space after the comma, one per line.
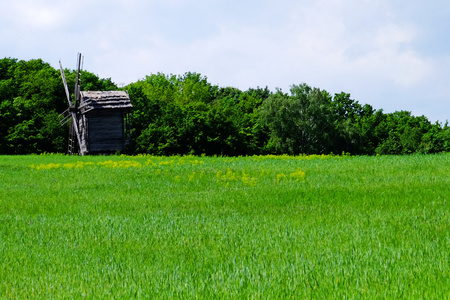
(208,227)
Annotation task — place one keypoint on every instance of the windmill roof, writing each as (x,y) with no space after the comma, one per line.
(104,100)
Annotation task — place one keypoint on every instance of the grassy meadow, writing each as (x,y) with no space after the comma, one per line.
(255,227)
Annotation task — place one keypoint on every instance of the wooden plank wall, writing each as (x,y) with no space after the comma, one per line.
(105,131)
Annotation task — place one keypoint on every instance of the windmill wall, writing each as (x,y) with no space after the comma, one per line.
(104,131)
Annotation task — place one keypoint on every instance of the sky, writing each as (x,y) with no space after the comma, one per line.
(393,55)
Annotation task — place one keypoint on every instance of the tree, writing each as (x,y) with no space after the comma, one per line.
(301,122)
(347,113)
(402,133)
(193,89)
(29,97)
(176,115)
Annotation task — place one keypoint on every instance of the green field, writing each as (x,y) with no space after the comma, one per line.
(215,227)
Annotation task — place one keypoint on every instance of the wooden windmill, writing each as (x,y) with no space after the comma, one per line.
(98,119)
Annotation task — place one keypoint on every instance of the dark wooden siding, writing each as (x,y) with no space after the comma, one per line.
(105,131)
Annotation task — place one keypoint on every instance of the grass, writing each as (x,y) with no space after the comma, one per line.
(206,227)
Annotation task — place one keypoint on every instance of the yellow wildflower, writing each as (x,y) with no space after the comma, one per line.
(298,174)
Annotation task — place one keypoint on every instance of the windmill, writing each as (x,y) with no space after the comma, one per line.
(98,119)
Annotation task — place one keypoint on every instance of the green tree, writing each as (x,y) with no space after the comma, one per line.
(368,125)
(29,97)
(240,111)
(402,133)
(301,122)
(180,115)
(193,89)
(348,114)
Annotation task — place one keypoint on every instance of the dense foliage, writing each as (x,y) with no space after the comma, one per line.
(186,114)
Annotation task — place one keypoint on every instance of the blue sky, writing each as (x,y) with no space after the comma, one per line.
(394,55)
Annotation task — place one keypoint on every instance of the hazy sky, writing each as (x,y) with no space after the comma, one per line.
(394,55)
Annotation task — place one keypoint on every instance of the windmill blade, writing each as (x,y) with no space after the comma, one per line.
(72,110)
(63,76)
(77,81)
(72,143)
(65,116)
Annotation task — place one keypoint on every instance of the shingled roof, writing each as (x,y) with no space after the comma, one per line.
(104,100)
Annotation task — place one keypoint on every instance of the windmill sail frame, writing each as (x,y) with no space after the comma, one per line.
(72,109)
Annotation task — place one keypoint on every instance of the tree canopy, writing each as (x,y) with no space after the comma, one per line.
(185,114)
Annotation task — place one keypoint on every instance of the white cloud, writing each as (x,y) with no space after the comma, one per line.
(390,56)
(36,15)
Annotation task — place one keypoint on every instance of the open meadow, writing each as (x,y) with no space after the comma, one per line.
(215,227)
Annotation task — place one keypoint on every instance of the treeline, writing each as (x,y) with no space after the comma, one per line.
(185,114)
